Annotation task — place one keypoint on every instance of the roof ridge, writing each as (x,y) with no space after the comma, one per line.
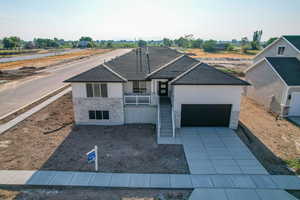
(115,73)
(165,65)
(186,72)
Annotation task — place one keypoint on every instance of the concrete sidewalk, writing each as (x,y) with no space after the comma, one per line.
(130,180)
(15,121)
(240,194)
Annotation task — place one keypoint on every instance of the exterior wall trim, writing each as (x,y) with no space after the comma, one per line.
(108,68)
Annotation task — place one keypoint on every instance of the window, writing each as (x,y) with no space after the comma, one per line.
(96,90)
(139,87)
(98,114)
(280,51)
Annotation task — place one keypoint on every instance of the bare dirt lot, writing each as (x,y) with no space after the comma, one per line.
(48,140)
(199,53)
(273,141)
(94,194)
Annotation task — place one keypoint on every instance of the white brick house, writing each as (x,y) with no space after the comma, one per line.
(160,86)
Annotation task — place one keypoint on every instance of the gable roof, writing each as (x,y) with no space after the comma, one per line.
(294,40)
(100,73)
(288,68)
(134,65)
(203,74)
(174,69)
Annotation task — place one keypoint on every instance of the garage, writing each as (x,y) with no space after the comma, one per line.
(205,114)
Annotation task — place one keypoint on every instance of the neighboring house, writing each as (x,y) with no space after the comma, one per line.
(156,85)
(275,77)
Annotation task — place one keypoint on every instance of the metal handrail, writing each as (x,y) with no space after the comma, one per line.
(173,121)
(158,118)
(136,101)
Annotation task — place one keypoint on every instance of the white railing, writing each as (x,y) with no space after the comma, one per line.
(137,99)
(173,121)
(158,118)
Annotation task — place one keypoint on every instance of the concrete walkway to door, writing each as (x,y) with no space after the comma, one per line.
(216,151)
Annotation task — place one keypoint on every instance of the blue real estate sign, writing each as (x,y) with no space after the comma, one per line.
(91,156)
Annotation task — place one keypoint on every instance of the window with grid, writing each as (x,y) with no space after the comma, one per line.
(139,87)
(96,90)
(99,114)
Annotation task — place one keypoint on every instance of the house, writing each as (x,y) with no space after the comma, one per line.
(275,77)
(156,85)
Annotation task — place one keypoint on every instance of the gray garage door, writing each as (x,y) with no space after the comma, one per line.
(205,114)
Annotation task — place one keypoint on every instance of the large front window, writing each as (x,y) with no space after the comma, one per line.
(96,90)
(139,87)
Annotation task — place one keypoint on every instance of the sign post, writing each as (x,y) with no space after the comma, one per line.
(92,156)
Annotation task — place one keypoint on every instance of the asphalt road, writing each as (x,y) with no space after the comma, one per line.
(33,56)
(14,95)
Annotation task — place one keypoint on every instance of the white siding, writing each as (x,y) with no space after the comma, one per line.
(272,51)
(115,90)
(140,114)
(189,94)
(266,87)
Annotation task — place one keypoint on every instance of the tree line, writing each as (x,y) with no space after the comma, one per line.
(187,41)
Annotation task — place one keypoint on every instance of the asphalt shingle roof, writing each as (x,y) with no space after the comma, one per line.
(204,74)
(96,74)
(294,39)
(288,68)
(175,69)
(132,66)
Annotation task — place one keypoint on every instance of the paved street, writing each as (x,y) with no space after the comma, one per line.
(16,95)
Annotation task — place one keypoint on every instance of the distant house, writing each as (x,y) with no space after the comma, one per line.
(275,76)
(160,86)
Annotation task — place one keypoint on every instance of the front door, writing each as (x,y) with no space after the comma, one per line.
(163,88)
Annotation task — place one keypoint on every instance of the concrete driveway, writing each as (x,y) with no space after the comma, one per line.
(217,151)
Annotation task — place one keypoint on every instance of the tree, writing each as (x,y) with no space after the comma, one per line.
(29,45)
(196,43)
(11,42)
(271,40)
(182,42)
(255,44)
(86,38)
(229,47)
(209,45)
(244,41)
(167,42)
(142,43)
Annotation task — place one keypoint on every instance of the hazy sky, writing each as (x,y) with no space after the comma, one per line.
(148,19)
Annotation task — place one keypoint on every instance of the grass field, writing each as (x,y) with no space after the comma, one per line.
(42,62)
(199,53)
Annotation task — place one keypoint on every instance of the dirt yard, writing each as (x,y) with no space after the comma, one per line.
(94,194)
(48,140)
(273,141)
(51,60)
(199,53)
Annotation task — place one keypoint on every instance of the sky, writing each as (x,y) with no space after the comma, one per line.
(148,19)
